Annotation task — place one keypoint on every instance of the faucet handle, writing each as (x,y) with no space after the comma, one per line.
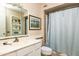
(6,43)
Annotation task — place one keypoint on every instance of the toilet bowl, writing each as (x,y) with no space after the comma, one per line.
(46,51)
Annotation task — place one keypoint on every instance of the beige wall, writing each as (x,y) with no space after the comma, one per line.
(35,10)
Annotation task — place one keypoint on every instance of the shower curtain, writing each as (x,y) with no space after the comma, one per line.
(63,31)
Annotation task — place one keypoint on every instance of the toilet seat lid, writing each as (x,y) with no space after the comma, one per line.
(44,48)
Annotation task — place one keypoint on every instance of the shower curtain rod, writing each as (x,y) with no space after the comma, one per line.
(61,7)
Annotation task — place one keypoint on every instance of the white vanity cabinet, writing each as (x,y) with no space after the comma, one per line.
(31,50)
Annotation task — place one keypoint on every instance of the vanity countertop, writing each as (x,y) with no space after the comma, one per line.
(24,42)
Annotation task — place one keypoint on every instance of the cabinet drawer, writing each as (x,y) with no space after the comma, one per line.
(24,51)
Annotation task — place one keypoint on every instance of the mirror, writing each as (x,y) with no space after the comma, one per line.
(13,20)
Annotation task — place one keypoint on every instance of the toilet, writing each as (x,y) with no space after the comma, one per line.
(46,51)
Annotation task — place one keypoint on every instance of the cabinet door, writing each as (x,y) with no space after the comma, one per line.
(2,21)
(36,50)
(35,53)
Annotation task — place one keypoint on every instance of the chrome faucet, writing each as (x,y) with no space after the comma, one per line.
(16,39)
